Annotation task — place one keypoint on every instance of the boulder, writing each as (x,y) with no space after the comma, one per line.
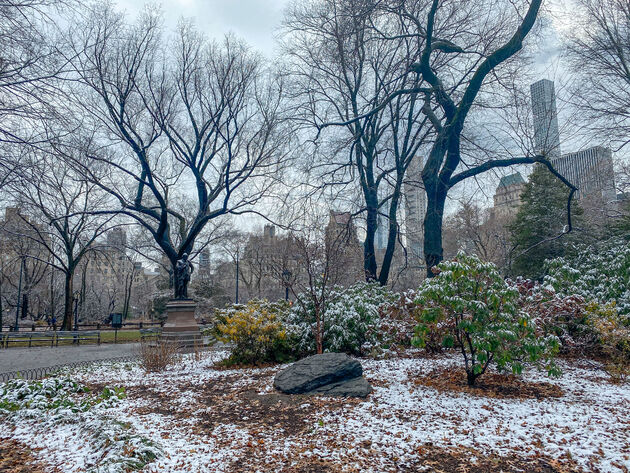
(356,387)
(331,374)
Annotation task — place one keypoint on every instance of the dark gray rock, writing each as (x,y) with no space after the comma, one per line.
(356,387)
(333,374)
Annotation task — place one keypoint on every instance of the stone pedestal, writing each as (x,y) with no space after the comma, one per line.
(180,316)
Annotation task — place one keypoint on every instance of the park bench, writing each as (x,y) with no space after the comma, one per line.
(27,337)
(149,333)
(52,338)
(88,335)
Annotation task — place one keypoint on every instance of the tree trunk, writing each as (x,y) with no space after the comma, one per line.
(433,251)
(319,344)
(1,307)
(369,253)
(471,378)
(391,240)
(83,296)
(24,308)
(67,310)
(52,293)
(127,300)
(173,276)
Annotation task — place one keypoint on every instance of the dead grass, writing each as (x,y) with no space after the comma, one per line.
(156,356)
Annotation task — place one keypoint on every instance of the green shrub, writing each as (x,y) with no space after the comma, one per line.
(256,332)
(350,320)
(113,446)
(54,394)
(474,309)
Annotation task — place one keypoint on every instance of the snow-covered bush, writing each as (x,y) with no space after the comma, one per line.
(559,315)
(115,447)
(50,394)
(588,328)
(397,321)
(614,337)
(53,394)
(478,312)
(256,331)
(350,320)
(596,274)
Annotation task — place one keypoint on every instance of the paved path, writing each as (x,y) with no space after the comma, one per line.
(15,359)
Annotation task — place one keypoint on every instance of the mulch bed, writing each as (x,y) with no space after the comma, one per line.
(227,402)
(291,465)
(490,384)
(256,410)
(431,459)
(15,457)
(465,460)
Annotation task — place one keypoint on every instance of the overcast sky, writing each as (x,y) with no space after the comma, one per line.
(257,22)
(253,20)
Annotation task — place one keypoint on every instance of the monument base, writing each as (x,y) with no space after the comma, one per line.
(180,326)
(180,316)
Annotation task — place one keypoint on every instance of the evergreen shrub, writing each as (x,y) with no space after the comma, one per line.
(477,312)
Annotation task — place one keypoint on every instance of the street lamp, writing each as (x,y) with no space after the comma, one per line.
(76,312)
(19,296)
(237,275)
(286,279)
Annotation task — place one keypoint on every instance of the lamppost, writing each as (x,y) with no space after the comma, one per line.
(76,312)
(19,296)
(237,275)
(286,279)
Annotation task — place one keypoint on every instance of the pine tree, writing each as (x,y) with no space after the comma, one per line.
(542,217)
(621,225)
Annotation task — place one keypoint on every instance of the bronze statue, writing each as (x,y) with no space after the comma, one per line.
(183,270)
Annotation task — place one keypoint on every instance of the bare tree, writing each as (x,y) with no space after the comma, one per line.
(461,55)
(478,230)
(62,209)
(481,47)
(23,265)
(599,56)
(190,124)
(343,64)
(30,67)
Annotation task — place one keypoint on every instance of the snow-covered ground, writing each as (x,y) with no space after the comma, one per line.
(195,418)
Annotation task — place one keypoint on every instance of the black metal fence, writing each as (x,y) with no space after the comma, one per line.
(38,373)
(94,326)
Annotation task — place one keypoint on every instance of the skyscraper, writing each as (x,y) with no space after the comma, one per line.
(546,131)
(117,239)
(415,208)
(382,227)
(590,170)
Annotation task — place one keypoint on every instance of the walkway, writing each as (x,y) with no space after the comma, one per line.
(16,359)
